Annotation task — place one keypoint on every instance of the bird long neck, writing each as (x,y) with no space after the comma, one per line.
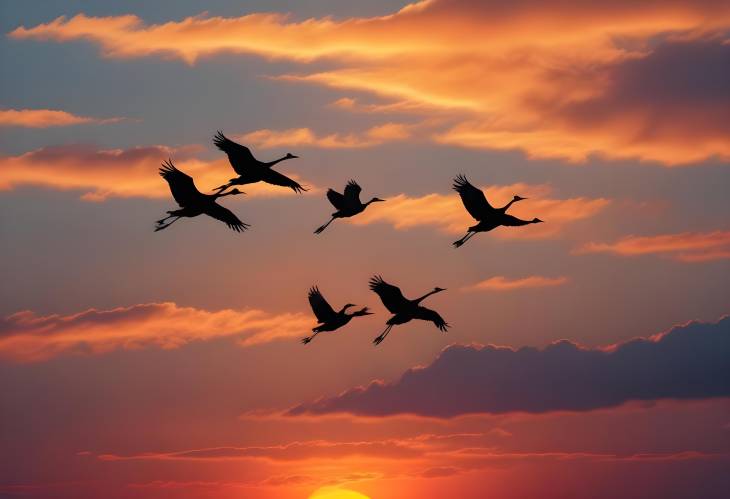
(506,207)
(272,163)
(419,300)
(371,201)
(358,313)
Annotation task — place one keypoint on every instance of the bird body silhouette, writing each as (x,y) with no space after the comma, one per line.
(489,218)
(249,169)
(348,203)
(328,319)
(193,202)
(403,309)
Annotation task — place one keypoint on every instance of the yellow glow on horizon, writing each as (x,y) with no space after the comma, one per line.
(330,493)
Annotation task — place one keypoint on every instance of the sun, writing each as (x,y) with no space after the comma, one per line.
(330,493)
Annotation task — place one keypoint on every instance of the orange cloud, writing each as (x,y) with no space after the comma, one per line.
(387,132)
(413,448)
(500,283)
(294,451)
(28,337)
(406,107)
(685,246)
(446,212)
(104,173)
(45,118)
(568,81)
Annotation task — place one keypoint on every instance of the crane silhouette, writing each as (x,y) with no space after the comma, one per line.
(249,169)
(479,208)
(403,309)
(348,203)
(328,319)
(193,202)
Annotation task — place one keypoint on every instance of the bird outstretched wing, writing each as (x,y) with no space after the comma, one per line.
(181,185)
(337,199)
(273,177)
(426,314)
(227,217)
(390,295)
(239,156)
(322,310)
(474,199)
(352,192)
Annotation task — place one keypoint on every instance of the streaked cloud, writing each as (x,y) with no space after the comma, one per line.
(46,118)
(501,283)
(684,246)
(566,82)
(295,451)
(687,362)
(105,173)
(445,212)
(422,456)
(28,337)
(398,107)
(305,137)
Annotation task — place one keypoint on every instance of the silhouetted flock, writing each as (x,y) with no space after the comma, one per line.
(250,170)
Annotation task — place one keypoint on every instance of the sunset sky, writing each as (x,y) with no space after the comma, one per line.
(588,357)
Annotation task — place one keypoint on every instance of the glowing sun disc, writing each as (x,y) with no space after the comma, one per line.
(337,494)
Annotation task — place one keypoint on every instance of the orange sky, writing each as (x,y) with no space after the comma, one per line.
(586,355)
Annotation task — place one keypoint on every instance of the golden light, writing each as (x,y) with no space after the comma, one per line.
(330,493)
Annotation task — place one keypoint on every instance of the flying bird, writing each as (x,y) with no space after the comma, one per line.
(479,208)
(193,202)
(348,203)
(328,319)
(249,169)
(403,309)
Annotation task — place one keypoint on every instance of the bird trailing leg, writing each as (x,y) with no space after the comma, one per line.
(379,339)
(464,239)
(169,215)
(161,225)
(309,338)
(323,227)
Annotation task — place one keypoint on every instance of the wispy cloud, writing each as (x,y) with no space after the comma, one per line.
(46,118)
(500,283)
(387,132)
(294,451)
(445,212)
(611,79)
(684,246)
(105,173)
(28,337)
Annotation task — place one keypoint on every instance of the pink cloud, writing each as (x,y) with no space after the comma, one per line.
(445,212)
(28,337)
(45,118)
(105,173)
(685,246)
(500,283)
